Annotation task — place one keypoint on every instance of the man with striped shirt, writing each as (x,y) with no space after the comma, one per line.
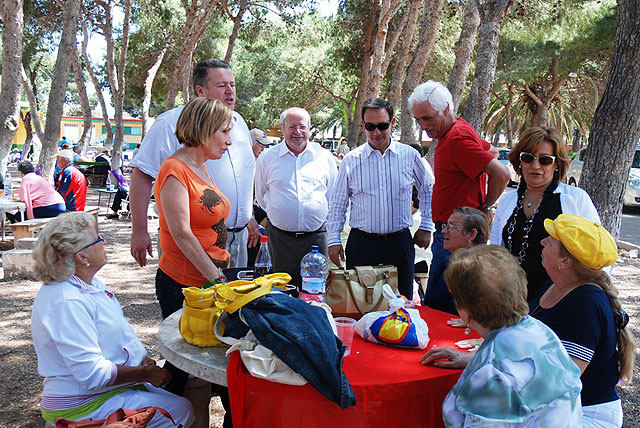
(376,179)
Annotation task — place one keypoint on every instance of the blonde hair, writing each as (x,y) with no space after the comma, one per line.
(200,119)
(626,340)
(488,283)
(58,243)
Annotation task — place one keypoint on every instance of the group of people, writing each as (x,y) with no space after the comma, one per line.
(199,162)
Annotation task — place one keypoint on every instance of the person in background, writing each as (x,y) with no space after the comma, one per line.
(582,308)
(70,182)
(376,181)
(293,183)
(90,358)
(38,194)
(192,210)
(466,170)
(521,375)
(541,159)
(343,148)
(260,141)
(121,194)
(212,78)
(63,142)
(466,227)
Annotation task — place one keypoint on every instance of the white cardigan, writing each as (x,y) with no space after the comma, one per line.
(573,200)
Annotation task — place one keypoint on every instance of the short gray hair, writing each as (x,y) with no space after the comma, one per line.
(436,94)
(285,112)
(58,243)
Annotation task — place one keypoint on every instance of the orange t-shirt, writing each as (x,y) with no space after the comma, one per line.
(208,209)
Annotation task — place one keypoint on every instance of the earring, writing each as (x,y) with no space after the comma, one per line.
(88,264)
(559,266)
(467,331)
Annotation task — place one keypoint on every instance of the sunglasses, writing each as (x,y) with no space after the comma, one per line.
(381,126)
(100,239)
(544,159)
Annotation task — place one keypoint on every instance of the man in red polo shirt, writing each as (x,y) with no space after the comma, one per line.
(71,183)
(466,170)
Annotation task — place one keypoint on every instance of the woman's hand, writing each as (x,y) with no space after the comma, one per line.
(157,376)
(446,358)
(456,323)
(470,344)
(147,371)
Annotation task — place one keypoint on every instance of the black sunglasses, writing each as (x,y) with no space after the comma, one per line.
(381,126)
(544,159)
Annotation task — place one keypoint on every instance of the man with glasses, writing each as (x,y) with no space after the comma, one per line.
(376,179)
(466,167)
(294,181)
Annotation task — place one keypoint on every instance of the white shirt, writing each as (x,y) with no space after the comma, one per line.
(295,190)
(233,173)
(379,187)
(80,334)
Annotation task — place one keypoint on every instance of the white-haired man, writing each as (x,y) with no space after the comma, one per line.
(294,181)
(466,170)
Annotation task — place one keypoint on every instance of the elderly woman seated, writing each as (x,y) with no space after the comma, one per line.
(91,359)
(582,308)
(521,375)
(466,227)
(38,194)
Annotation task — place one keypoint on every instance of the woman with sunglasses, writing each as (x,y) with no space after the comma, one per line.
(540,159)
(91,359)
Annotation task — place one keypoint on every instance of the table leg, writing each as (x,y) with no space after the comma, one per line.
(109,203)
(2,221)
(99,199)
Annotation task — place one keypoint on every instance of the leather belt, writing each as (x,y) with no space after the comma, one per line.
(378,236)
(299,234)
(237,229)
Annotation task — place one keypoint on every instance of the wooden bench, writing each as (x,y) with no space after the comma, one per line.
(94,179)
(25,229)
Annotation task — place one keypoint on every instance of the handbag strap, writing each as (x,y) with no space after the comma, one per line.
(263,289)
(353,297)
(121,414)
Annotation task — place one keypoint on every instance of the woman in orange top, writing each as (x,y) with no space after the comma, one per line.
(192,209)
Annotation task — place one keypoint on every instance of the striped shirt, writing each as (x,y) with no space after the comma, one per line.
(378,187)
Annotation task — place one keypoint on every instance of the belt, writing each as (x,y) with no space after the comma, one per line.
(299,234)
(378,236)
(237,229)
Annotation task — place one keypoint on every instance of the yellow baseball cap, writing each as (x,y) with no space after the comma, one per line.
(585,240)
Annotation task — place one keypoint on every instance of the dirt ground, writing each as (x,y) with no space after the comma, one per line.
(21,387)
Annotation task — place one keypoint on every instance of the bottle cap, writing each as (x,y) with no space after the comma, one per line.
(315,248)
(264,238)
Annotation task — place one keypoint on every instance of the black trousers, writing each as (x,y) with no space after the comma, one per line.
(169,293)
(396,250)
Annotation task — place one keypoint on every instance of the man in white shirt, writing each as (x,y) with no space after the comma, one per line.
(377,180)
(233,173)
(294,181)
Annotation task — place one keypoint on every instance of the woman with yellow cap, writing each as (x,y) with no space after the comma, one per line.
(582,308)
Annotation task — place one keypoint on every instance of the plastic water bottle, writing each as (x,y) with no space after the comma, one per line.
(313,270)
(7,186)
(108,183)
(263,264)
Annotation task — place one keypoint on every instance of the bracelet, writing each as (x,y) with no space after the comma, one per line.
(219,280)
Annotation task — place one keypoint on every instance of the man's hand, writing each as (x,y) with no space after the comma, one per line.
(156,376)
(489,213)
(140,246)
(336,255)
(254,233)
(422,238)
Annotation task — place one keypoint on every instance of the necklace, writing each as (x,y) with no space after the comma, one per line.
(201,167)
(527,228)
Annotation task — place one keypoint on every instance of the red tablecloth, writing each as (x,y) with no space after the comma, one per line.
(392,388)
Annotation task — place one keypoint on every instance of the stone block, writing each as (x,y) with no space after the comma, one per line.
(18,264)
(27,244)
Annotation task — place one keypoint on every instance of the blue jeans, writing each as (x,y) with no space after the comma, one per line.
(439,261)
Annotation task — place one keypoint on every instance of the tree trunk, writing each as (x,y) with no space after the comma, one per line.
(198,16)
(464,52)
(616,128)
(87,116)
(26,119)
(96,83)
(402,57)
(12,24)
(544,95)
(148,84)
(33,105)
(237,21)
(59,80)
(428,31)
(492,13)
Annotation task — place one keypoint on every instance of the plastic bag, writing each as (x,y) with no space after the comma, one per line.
(396,327)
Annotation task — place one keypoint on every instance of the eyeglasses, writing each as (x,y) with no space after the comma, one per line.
(100,239)
(544,159)
(450,226)
(372,126)
(295,127)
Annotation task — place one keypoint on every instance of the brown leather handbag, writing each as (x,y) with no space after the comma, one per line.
(355,292)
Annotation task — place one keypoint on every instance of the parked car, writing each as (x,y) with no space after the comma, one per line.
(503,156)
(632,191)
